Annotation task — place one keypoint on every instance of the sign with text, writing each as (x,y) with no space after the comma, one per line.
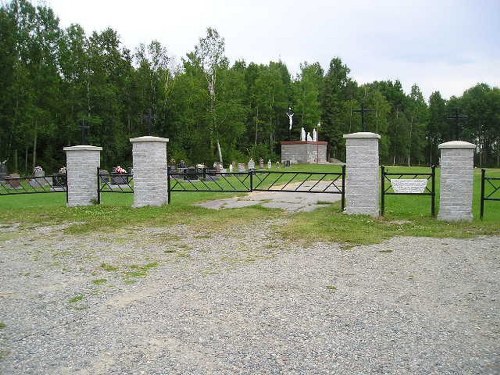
(409,185)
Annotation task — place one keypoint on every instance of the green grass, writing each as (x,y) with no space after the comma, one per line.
(404,215)
(76,298)
(2,325)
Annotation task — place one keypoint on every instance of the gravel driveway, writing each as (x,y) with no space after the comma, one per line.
(169,301)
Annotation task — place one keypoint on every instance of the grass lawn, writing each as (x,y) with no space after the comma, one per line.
(404,215)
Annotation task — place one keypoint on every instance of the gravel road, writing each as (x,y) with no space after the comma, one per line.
(169,301)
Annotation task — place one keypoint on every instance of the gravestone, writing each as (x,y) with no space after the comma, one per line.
(3,170)
(241,168)
(261,163)
(251,165)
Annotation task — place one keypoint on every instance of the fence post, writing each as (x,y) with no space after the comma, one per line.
(382,190)
(81,164)
(433,186)
(342,204)
(457,180)
(149,156)
(362,187)
(483,175)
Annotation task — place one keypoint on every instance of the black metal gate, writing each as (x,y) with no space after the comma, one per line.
(490,189)
(398,183)
(113,183)
(205,180)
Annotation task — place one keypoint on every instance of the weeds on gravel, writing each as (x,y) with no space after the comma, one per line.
(99,281)
(108,267)
(2,325)
(76,298)
(137,271)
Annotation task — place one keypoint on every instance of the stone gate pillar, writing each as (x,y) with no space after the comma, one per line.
(150,171)
(362,189)
(457,177)
(81,173)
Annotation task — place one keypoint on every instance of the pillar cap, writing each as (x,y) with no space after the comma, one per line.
(456,144)
(149,138)
(82,148)
(362,135)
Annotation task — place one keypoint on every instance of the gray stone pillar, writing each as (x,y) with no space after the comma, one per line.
(362,190)
(150,171)
(457,178)
(81,173)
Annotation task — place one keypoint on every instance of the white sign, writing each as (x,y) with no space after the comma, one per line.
(409,185)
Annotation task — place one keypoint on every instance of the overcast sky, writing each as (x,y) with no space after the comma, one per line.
(445,45)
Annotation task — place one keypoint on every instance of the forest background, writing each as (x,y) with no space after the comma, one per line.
(61,86)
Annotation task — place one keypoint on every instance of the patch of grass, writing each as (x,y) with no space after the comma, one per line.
(108,267)
(139,271)
(328,225)
(76,298)
(2,325)
(331,288)
(99,281)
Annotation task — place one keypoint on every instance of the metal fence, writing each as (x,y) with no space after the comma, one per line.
(10,185)
(398,183)
(206,180)
(490,190)
(113,183)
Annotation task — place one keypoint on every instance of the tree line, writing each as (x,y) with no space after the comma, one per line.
(61,87)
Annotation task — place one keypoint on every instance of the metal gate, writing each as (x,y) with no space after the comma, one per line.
(205,180)
(113,183)
(398,183)
(490,189)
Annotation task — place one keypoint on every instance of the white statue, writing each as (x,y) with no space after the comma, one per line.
(290,117)
(302,134)
(309,138)
(315,135)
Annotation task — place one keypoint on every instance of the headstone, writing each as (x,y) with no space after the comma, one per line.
(251,165)
(269,164)
(302,134)
(230,168)
(309,138)
(3,170)
(315,135)
(261,163)
(241,167)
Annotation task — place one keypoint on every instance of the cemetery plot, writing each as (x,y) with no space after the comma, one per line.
(490,188)
(398,183)
(11,185)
